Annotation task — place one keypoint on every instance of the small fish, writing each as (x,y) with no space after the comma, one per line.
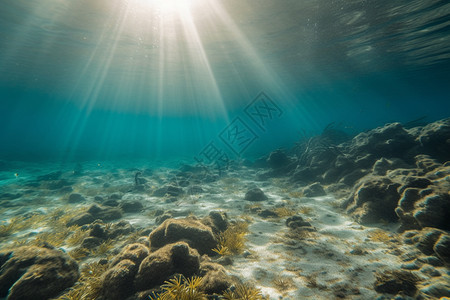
(17,175)
(99,165)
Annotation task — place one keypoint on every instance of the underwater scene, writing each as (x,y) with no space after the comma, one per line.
(224,149)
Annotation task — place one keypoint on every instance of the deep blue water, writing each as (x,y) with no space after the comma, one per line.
(125,80)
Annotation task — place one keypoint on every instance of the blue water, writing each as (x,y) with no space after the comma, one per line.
(128,80)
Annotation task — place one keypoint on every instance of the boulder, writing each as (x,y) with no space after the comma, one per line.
(255,194)
(189,230)
(442,248)
(168,190)
(76,198)
(278,159)
(373,199)
(118,281)
(131,206)
(177,258)
(215,278)
(314,190)
(434,139)
(297,222)
(31,272)
(133,252)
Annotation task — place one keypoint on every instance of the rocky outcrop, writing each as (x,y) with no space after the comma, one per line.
(136,269)
(373,199)
(31,272)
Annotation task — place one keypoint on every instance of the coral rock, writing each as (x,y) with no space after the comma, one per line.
(314,190)
(193,232)
(255,194)
(374,199)
(166,261)
(31,272)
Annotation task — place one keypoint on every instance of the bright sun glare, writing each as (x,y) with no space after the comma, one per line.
(172,6)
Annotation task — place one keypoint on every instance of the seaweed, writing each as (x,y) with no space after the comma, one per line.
(222,250)
(232,240)
(243,292)
(379,235)
(283,283)
(180,288)
(284,212)
(89,284)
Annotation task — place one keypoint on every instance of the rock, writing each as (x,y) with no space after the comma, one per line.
(255,194)
(217,221)
(195,189)
(115,196)
(111,202)
(166,261)
(80,220)
(267,213)
(98,231)
(31,272)
(215,278)
(314,190)
(117,281)
(193,232)
(389,141)
(297,222)
(133,252)
(76,198)
(91,242)
(433,211)
(353,177)
(120,228)
(104,213)
(437,290)
(373,199)
(430,271)
(442,248)
(382,165)
(168,190)
(131,206)
(50,176)
(394,282)
(434,139)
(427,238)
(162,218)
(278,159)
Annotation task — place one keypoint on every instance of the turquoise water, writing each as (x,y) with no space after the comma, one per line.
(143,131)
(115,79)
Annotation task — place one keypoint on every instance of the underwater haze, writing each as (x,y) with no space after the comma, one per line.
(161,79)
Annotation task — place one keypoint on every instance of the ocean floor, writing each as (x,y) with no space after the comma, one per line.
(335,258)
(364,217)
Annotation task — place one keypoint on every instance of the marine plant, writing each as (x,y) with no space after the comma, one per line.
(89,284)
(243,292)
(103,248)
(379,235)
(306,210)
(232,240)
(79,253)
(222,250)
(77,236)
(284,212)
(15,224)
(181,289)
(283,283)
